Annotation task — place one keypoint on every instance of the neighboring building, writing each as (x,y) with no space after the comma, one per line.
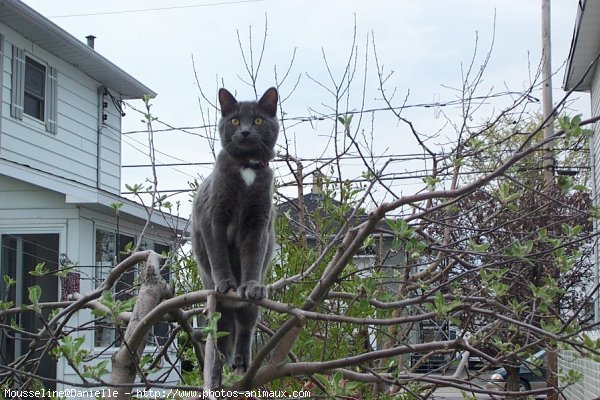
(585,48)
(60,173)
(382,256)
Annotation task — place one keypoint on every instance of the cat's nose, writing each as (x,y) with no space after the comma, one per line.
(245,133)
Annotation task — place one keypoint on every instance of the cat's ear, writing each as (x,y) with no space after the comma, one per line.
(226,100)
(268,101)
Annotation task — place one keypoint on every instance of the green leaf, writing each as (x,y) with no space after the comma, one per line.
(506,196)
(476,144)
(478,248)
(518,249)
(8,281)
(5,305)
(211,329)
(337,378)
(431,182)
(543,234)
(565,183)
(35,293)
(571,231)
(99,313)
(107,298)
(71,348)
(571,377)
(322,379)
(588,342)
(95,371)
(564,123)
(459,161)
(39,270)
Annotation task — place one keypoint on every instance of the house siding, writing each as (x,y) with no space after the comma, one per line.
(595,142)
(587,388)
(27,207)
(110,154)
(72,152)
(22,203)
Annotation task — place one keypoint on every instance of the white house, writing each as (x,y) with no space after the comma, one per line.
(60,173)
(583,75)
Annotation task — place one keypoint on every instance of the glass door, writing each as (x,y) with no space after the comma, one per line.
(20,254)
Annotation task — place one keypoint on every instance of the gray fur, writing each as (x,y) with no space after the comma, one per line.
(232,220)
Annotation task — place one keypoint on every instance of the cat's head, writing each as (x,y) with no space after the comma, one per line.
(249,129)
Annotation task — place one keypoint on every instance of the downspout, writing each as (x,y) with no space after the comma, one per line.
(595,224)
(102,104)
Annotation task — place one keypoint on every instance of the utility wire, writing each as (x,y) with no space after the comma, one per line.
(324,117)
(394,157)
(391,177)
(311,118)
(223,3)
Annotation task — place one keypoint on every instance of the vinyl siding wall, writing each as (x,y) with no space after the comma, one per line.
(595,96)
(587,388)
(28,208)
(72,152)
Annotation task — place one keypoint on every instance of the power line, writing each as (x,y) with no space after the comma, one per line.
(394,157)
(224,3)
(392,176)
(169,126)
(324,117)
(311,118)
(191,164)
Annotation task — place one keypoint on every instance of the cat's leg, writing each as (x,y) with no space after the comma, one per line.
(252,286)
(269,250)
(254,247)
(245,323)
(225,344)
(217,252)
(209,241)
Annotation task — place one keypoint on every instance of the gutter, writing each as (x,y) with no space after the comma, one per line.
(580,10)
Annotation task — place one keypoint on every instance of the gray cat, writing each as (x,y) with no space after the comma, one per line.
(232,219)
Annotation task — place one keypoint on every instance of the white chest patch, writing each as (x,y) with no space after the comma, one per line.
(248,175)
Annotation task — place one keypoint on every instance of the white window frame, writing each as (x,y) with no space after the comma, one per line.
(17,109)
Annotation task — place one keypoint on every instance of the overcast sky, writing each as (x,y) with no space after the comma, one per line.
(424,43)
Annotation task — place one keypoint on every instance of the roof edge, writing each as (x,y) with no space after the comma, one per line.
(81,194)
(45,24)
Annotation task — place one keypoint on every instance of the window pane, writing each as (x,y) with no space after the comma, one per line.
(163,250)
(124,286)
(105,255)
(34,107)
(110,249)
(35,78)
(161,330)
(35,88)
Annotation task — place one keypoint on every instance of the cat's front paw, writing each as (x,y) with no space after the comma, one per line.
(252,290)
(225,286)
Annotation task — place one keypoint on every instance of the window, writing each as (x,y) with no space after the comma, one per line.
(1,76)
(161,331)
(35,88)
(110,249)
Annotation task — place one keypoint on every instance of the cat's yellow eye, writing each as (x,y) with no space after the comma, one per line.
(258,121)
(235,121)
